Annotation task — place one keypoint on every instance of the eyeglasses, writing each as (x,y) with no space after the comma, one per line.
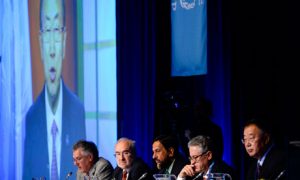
(249,140)
(79,158)
(124,153)
(56,32)
(196,158)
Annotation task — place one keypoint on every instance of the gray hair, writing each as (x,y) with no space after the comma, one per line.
(203,142)
(131,143)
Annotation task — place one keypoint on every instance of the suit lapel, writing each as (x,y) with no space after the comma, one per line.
(41,134)
(66,149)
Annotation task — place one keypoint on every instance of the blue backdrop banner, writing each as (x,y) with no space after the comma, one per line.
(189,37)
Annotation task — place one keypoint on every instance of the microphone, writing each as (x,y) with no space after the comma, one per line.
(197,176)
(143,176)
(68,175)
(280,175)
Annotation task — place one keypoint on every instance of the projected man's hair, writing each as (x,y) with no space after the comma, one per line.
(63,12)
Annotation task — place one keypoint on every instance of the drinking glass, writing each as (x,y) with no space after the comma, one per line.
(164,176)
(218,176)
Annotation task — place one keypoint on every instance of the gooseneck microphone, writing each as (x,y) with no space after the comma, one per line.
(198,176)
(280,175)
(143,176)
(68,175)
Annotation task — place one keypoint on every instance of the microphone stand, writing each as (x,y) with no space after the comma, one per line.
(198,176)
(143,176)
(280,175)
(68,175)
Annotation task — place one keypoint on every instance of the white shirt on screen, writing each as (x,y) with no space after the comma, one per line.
(58,119)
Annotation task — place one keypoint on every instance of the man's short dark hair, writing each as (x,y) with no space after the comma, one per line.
(88,147)
(63,8)
(168,141)
(263,122)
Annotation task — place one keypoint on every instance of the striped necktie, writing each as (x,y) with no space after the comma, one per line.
(124,175)
(54,169)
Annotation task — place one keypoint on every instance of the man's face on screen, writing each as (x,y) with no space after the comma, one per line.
(52,43)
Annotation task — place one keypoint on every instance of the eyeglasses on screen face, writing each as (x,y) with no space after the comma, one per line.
(54,33)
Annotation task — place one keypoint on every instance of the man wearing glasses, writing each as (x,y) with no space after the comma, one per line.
(56,120)
(90,165)
(129,166)
(269,160)
(201,150)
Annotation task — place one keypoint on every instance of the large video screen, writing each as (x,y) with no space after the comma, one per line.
(66,81)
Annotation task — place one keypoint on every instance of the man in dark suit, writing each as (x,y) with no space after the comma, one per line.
(203,164)
(56,120)
(167,156)
(270,161)
(130,167)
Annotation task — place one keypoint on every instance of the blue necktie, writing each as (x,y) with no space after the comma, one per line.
(54,170)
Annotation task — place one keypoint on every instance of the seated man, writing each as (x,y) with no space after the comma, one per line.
(203,163)
(90,165)
(130,167)
(166,155)
(270,161)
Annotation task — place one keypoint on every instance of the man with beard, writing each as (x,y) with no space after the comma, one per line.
(166,155)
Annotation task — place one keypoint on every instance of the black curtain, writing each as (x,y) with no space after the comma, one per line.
(266,46)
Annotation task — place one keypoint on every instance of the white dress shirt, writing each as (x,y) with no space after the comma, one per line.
(58,120)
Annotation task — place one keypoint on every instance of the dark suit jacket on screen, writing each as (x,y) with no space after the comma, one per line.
(36,161)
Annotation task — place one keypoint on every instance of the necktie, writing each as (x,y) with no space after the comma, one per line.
(258,170)
(54,170)
(124,175)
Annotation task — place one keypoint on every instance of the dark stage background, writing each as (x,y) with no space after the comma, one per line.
(252,68)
